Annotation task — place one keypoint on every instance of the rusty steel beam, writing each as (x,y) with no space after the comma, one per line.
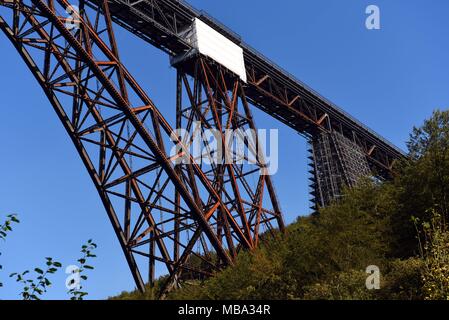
(213,98)
(270,88)
(161,210)
(121,138)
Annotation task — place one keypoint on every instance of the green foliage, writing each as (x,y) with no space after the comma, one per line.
(403,280)
(7,225)
(151,292)
(5,228)
(315,255)
(76,292)
(423,181)
(345,285)
(435,251)
(33,289)
(254,277)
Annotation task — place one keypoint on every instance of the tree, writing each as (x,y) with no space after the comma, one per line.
(423,180)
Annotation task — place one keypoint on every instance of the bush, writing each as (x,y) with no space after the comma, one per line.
(403,280)
(436,259)
(347,285)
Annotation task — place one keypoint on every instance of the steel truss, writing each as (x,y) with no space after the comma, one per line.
(273,90)
(163,214)
(215,99)
(335,162)
(270,88)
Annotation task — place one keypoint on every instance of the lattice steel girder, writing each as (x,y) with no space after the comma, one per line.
(336,162)
(122,139)
(211,98)
(215,99)
(272,89)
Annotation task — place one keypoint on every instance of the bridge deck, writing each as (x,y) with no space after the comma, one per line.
(270,87)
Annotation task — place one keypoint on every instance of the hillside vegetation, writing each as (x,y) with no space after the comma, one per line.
(399,226)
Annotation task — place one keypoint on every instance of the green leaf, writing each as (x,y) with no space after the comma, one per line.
(39,271)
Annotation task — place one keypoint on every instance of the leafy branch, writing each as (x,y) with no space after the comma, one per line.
(75,284)
(5,228)
(34,288)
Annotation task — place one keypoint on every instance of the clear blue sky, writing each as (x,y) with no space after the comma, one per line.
(389,79)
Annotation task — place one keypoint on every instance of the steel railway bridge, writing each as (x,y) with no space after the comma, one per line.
(190,218)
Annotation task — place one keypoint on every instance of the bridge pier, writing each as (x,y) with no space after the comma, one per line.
(336,162)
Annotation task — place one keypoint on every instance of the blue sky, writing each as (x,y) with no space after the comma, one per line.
(390,79)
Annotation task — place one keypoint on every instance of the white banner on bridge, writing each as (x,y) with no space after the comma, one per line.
(216,46)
